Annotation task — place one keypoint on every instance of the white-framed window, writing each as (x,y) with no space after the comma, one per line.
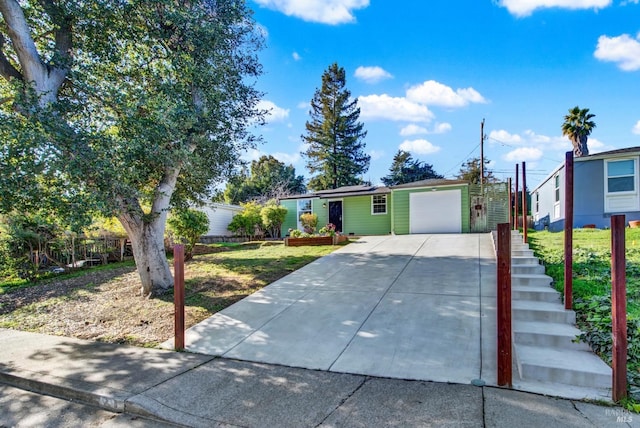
(621,175)
(537,202)
(621,185)
(378,204)
(556,203)
(304,206)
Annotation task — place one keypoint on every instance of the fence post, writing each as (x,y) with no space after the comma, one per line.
(515,203)
(504,305)
(178,296)
(618,307)
(568,231)
(525,219)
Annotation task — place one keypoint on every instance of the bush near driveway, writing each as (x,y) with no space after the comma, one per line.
(592,288)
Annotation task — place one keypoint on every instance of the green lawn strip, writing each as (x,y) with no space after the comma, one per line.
(592,289)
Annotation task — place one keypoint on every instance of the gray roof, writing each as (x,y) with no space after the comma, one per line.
(432,182)
(625,151)
(341,192)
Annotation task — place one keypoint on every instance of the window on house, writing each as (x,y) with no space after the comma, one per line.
(379,204)
(621,176)
(304,206)
(557,187)
(537,201)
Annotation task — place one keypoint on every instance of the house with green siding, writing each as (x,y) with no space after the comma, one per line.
(427,206)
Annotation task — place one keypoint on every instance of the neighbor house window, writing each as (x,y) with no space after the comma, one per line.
(379,204)
(621,185)
(621,176)
(304,206)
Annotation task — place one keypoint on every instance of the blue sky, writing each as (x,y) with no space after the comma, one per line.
(426,73)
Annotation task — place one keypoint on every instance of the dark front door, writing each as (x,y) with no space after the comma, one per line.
(335,214)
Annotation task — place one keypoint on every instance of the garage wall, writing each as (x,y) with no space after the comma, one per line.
(401,206)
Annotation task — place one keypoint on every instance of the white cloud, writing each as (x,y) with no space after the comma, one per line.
(503,136)
(636,128)
(413,129)
(442,128)
(376,154)
(287,158)
(419,147)
(274,113)
(372,74)
(324,11)
(392,108)
(624,50)
(435,93)
(296,56)
(523,154)
(522,8)
(303,105)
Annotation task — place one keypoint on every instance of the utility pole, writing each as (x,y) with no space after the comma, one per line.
(482,157)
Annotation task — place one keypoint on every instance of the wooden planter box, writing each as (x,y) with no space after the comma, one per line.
(314,240)
(634,223)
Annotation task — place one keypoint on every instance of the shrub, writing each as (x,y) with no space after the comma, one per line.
(248,222)
(186,226)
(273,216)
(309,222)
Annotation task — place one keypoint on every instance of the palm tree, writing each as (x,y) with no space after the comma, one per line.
(578,126)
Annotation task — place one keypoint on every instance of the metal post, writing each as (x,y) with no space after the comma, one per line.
(568,231)
(618,307)
(504,305)
(178,295)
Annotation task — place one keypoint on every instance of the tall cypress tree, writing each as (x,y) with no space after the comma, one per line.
(335,156)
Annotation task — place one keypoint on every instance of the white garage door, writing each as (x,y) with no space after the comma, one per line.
(435,212)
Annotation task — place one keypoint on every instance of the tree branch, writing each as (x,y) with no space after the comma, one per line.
(20,35)
(7,70)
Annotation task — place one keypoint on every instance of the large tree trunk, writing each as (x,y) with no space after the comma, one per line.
(146,232)
(147,242)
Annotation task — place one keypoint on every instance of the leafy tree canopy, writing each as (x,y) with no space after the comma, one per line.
(111,104)
(335,154)
(268,179)
(470,171)
(405,169)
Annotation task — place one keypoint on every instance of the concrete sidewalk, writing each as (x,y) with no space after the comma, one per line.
(404,307)
(203,391)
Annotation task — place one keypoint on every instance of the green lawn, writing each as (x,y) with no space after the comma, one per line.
(592,287)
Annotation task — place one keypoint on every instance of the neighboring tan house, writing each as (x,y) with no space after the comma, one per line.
(604,184)
(427,206)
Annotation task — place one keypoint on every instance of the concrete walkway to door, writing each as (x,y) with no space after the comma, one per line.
(410,307)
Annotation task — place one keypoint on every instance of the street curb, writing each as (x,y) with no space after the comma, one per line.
(146,407)
(74,390)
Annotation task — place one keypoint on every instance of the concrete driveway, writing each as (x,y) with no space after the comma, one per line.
(410,307)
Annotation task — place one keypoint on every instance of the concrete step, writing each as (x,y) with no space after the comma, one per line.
(533,268)
(523,260)
(527,310)
(580,368)
(547,334)
(521,253)
(533,293)
(530,279)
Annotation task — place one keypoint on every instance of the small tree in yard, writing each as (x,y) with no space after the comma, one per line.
(248,222)
(114,105)
(273,216)
(187,225)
